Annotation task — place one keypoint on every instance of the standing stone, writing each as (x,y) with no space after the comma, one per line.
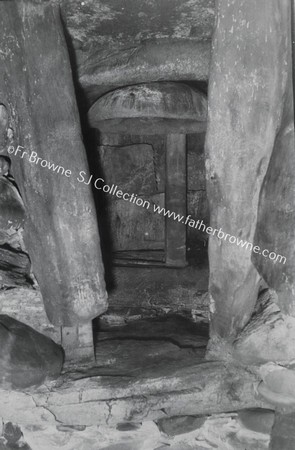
(247,84)
(61,233)
(276,216)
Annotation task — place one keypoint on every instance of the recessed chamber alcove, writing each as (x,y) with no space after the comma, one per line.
(150,143)
(167,112)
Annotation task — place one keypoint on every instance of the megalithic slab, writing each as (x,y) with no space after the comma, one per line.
(247,85)
(61,233)
(275,231)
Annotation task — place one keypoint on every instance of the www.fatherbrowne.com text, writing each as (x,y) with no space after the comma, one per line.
(99,184)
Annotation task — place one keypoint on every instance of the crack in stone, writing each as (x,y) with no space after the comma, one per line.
(108,403)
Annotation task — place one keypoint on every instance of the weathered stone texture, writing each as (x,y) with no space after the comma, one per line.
(145,20)
(27,357)
(180,425)
(140,50)
(150,108)
(222,432)
(258,420)
(11,205)
(276,218)
(135,227)
(269,336)
(14,267)
(136,164)
(283,436)
(61,232)
(4,120)
(147,62)
(131,168)
(247,83)
(114,403)
(26,305)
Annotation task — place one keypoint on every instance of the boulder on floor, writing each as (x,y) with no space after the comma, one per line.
(27,358)
(174,426)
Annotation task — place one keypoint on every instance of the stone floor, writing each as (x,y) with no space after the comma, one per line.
(222,432)
(140,364)
(143,392)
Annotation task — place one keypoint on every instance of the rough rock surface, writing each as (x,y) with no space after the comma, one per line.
(140,50)
(4,120)
(269,336)
(222,432)
(275,229)
(180,425)
(11,206)
(91,24)
(57,205)
(150,108)
(14,267)
(250,59)
(25,305)
(147,62)
(159,291)
(4,165)
(27,358)
(277,386)
(130,167)
(148,371)
(283,435)
(14,261)
(12,437)
(258,420)
(136,164)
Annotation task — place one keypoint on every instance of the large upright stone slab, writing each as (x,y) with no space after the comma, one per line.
(276,219)
(247,84)
(61,233)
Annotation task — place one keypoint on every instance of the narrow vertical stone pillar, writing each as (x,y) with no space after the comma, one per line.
(175,199)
